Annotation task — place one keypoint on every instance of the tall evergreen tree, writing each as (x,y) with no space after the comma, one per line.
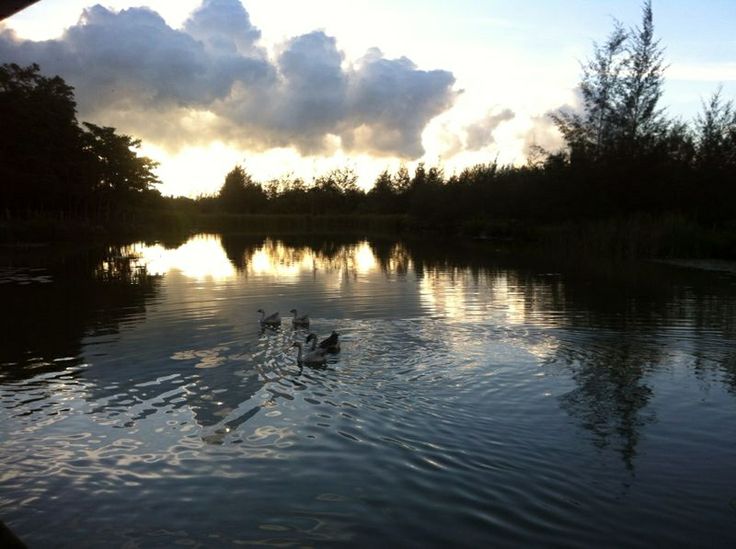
(590,134)
(642,85)
(621,87)
(715,134)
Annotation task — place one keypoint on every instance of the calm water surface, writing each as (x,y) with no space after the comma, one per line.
(477,400)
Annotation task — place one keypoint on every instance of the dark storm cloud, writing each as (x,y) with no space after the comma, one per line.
(211,79)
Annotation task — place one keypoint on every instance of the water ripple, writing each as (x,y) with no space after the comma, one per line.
(468,407)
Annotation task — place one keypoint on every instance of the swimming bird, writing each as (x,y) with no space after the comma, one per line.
(330,344)
(270,321)
(299,321)
(312,356)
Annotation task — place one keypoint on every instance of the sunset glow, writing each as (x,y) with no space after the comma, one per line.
(305,97)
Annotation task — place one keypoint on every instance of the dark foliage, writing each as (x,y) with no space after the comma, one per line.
(625,167)
(622,158)
(49,163)
(239,194)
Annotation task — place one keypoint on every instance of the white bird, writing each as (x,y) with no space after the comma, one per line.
(299,321)
(270,321)
(312,356)
(330,344)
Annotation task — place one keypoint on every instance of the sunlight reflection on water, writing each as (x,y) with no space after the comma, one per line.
(200,258)
(474,401)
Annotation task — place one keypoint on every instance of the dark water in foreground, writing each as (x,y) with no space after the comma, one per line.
(476,401)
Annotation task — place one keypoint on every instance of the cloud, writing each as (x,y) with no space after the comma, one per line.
(223,25)
(133,60)
(543,137)
(480,134)
(304,105)
(390,102)
(212,80)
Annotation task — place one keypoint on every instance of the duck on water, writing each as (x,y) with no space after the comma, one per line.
(299,321)
(311,356)
(271,321)
(330,344)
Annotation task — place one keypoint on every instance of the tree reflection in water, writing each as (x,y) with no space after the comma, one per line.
(611,394)
(613,327)
(91,292)
(614,322)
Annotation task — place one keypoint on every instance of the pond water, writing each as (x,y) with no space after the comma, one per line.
(478,400)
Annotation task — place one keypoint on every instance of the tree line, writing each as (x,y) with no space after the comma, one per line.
(622,156)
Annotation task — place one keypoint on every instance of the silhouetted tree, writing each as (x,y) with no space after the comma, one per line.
(118,167)
(590,133)
(642,86)
(335,192)
(715,131)
(620,88)
(49,163)
(381,197)
(118,175)
(40,142)
(402,186)
(292,197)
(240,194)
(401,180)
(232,192)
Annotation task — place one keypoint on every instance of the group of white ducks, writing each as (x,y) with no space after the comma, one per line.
(317,353)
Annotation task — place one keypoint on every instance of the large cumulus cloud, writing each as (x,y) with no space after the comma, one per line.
(390,102)
(211,79)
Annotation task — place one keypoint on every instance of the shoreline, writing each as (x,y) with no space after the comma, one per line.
(668,236)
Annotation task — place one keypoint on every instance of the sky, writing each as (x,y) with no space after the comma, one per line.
(300,87)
